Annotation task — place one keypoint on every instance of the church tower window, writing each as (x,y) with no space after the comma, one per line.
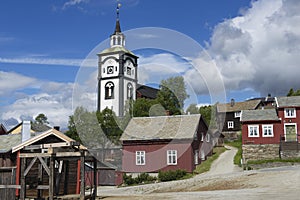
(109,90)
(129,91)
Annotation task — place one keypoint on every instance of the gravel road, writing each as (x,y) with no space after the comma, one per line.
(224,181)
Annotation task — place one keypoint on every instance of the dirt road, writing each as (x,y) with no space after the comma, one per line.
(224,181)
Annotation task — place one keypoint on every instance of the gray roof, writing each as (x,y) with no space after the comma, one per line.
(7,142)
(288,101)
(238,106)
(259,115)
(161,127)
(116,49)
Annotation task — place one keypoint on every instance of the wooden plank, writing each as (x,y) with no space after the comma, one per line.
(23,188)
(43,187)
(82,177)
(29,166)
(51,178)
(32,155)
(44,165)
(95,179)
(10,186)
(68,154)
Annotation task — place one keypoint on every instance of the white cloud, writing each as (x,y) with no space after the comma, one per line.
(260,49)
(9,84)
(73,3)
(43,61)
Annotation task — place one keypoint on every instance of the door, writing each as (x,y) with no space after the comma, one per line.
(290,132)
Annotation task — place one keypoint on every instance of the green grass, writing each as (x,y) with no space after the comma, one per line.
(257,162)
(205,166)
(238,156)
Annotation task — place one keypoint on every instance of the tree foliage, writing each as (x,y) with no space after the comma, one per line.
(209,115)
(172,94)
(41,119)
(293,93)
(192,109)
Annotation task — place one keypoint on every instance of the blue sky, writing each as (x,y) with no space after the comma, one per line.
(254,45)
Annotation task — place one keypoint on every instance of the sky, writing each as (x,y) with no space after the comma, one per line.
(247,49)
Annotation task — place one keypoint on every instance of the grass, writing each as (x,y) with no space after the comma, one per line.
(238,156)
(205,166)
(257,162)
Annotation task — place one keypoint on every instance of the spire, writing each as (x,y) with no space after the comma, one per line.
(117,38)
(118,27)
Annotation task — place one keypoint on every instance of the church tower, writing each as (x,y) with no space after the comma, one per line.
(117,73)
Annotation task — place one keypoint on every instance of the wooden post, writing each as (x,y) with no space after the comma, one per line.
(82,177)
(51,178)
(95,179)
(18,173)
(23,186)
(78,178)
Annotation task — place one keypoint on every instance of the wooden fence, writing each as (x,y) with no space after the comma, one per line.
(7,183)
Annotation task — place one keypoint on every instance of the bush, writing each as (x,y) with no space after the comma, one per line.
(141,178)
(171,175)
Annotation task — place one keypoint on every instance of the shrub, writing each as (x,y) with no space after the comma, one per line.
(141,178)
(128,180)
(171,175)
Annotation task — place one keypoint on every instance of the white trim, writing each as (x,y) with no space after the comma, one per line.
(253,126)
(294,113)
(266,126)
(140,158)
(237,114)
(172,154)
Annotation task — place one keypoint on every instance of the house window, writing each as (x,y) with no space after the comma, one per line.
(196,157)
(290,112)
(202,137)
(129,90)
(253,131)
(140,158)
(207,137)
(128,71)
(267,130)
(237,114)
(172,157)
(230,124)
(109,90)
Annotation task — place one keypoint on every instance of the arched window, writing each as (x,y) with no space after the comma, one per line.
(129,91)
(119,40)
(109,90)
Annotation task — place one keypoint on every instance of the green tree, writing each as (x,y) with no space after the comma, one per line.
(41,119)
(172,94)
(209,115)
(293,93)
(192,109)
(141,107)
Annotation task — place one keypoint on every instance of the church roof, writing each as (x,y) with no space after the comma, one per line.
(116,49)
(147,92)
(118,27)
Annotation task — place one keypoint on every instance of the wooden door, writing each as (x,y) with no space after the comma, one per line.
(290,132)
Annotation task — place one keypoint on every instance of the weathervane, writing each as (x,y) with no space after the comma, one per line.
(118,8)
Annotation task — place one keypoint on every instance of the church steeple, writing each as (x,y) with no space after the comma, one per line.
(117,38)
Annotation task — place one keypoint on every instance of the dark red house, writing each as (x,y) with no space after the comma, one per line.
(152,144)
(272,133)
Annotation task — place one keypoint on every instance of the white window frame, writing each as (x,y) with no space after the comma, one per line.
(207,137)
(268,127)
(172,157)
(237,114)
(202,137)
(196,157)
(230,124)
(249,129)
(287,115)
(140,158)
(289,124)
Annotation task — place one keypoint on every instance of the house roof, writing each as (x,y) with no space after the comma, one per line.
(2,129)
(7,142)
(34,128)
(238,106)
(288,101)
(42,136)
(161,127)
(259,115)
(147,91)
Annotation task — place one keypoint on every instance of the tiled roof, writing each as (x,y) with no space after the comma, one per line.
(259,115)
(162,127)
(7,142)
(238,106)
(116,49)
(288,101)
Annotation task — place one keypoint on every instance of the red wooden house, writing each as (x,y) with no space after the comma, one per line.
(152,144)
(272,133)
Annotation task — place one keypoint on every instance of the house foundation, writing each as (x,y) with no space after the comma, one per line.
(260,151)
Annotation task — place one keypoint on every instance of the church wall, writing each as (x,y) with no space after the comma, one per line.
(110,103)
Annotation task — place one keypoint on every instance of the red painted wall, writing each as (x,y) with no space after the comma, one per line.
(156,157)
(277,129)
(290,120)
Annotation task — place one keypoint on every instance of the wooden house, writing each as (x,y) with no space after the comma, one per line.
(228,116)
(272,133)
(47,165)
(3,130)
(153,144)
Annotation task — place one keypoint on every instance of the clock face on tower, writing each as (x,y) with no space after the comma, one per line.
(110,69)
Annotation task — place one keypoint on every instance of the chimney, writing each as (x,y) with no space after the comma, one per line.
(168,112)
(232,102)
(26,126)
(56,128)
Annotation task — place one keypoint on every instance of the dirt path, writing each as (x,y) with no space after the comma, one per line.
(223,182)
